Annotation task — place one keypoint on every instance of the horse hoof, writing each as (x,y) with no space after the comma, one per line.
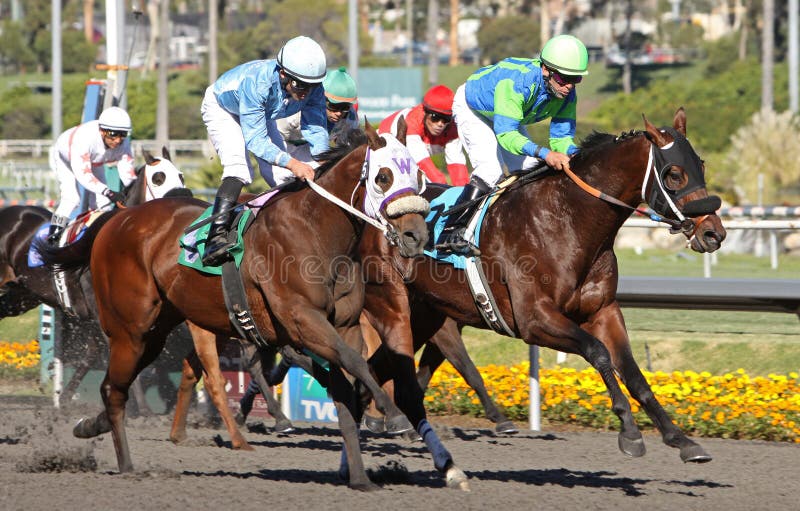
(240,418)
(84,429)
(374,424)
(633,447)
(177,439)
(506,427)
(363,486)
(283,426)
(457,479)
(398,425)
(695,454)
(412,436)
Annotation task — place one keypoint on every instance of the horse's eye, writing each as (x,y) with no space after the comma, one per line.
(158,178)
(675,179)
(383,179)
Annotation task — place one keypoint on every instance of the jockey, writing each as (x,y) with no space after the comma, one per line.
(79,155)
(431,131)
(493,109)
(240,110)
(340,109)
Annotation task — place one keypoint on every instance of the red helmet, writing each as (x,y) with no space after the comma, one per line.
(439,98)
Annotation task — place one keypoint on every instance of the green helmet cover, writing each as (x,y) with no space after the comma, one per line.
(340,87)
(566,54)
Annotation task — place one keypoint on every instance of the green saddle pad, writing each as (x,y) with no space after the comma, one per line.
(193,244)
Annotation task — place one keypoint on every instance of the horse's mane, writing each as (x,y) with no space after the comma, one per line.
(347,142)
(598,141)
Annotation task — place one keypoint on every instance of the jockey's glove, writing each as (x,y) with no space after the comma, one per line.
(113,196)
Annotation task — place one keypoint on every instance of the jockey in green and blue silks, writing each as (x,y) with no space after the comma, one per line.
(493,109)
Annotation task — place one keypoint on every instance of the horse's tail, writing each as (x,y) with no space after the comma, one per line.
(77,254)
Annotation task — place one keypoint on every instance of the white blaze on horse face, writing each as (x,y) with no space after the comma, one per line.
(162,176)
(395,157)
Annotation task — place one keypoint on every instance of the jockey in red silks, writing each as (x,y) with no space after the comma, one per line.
(431,130)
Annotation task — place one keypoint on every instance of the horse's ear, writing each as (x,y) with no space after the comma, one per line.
(656,136)
(165,153)
(148,158)
(679,122)
(373,139)
(402,129)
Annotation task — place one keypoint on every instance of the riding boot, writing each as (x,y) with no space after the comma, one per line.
(57,225)
(217,245)
(452,237)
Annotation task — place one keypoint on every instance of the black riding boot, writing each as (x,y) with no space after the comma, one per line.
(57,225)
(452,237)
(217,245)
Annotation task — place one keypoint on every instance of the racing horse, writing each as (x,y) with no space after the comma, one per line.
(294,251)
(547,250)
(24,287)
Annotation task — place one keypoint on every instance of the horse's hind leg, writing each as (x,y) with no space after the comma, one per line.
(259,361)
(189,376)
(547,322)
(447,343)
(608,326)
(206,347)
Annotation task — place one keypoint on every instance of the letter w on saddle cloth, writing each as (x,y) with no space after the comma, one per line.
(476,278)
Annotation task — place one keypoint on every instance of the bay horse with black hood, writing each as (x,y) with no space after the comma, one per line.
(293,253)
(547,249)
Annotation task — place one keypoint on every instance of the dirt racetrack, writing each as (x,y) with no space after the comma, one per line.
(42,467)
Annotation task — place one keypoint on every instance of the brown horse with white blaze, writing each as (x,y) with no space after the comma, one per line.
(547,249)
(293,253)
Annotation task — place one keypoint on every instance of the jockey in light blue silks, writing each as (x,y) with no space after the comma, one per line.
(492,111)
(240,111)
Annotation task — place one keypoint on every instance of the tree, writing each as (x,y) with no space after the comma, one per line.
(508,37)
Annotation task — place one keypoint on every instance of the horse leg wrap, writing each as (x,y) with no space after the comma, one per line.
(442,459)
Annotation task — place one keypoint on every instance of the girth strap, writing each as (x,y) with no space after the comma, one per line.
(236,298)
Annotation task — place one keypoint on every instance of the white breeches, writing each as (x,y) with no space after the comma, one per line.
(478,138)
(226,136)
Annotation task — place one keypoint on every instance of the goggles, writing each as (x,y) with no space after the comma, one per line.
(301,86)
(116,133)
(564,79)
(338,107)
(437,117)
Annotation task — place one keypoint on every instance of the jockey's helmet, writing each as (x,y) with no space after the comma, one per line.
(303,59)
(115,119)
(340,87)
(439,99)
(566,54)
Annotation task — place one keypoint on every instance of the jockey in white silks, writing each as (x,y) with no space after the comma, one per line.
(80,155)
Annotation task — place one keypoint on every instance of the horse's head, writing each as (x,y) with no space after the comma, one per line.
(393,183)
(675,186)
(160,178)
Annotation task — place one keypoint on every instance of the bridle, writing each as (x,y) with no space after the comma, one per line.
(379,203)
(660,199)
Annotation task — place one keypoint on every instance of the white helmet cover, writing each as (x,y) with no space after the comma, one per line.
(115,118)
(303,59)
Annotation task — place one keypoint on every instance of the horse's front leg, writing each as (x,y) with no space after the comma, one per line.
(547,323)
(391,318)
(259,360)
(206,347)
(609,326)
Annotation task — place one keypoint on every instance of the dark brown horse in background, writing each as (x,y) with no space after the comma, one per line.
(548,253)
(294,251)
(24,288)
